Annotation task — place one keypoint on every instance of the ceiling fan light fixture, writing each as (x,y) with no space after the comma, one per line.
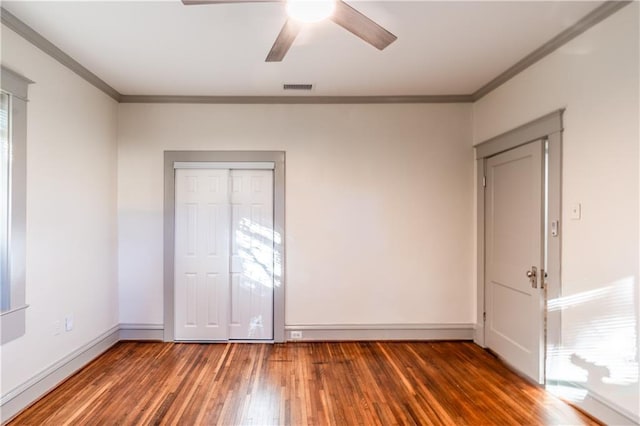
(308,11)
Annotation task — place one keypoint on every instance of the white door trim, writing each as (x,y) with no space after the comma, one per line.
(172,157)
(548,127)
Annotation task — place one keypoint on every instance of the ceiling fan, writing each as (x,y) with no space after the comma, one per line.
(337,10)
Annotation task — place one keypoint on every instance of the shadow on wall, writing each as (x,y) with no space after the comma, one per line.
(598,355)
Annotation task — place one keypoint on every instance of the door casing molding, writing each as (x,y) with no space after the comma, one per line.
(548,127)
(171,157)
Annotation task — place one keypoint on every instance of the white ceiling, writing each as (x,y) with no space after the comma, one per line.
(166,48)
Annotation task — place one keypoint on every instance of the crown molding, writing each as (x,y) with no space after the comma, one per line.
(422,99)
(56,53)
(600,13)
(597,15)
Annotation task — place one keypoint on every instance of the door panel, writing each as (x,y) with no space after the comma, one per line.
(201,254)
(514,243)
(252,254)
(223,254)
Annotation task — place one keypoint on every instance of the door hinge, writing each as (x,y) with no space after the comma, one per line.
(484,181)
(484,317)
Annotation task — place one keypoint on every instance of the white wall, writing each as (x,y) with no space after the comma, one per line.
(71,213)
(379,204)
(595,77)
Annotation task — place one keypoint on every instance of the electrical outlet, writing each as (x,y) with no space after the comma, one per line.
(68,322)
(296,335)
(57,327)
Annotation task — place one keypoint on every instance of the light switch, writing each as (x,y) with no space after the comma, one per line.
(576,211)
(68,322)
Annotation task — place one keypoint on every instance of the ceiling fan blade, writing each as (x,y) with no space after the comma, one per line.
(358,24)
(195,2)
(285,39)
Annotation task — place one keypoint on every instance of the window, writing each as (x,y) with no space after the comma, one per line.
(13,188)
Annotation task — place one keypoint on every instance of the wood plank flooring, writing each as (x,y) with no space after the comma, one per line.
(354,383)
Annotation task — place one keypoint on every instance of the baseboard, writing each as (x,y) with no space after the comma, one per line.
(26,394)
(345,332)
(16,400)
(152,332)
(478,335)
(603,409)
(316,332)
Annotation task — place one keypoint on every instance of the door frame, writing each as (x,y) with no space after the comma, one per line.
(171,157)
(550,128)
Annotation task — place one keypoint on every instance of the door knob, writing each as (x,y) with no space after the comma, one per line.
(533,276)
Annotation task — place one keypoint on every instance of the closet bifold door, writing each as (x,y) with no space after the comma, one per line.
(252,254)
(224,254)
(201,255)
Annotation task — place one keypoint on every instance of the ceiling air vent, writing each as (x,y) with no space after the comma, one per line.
(297,86)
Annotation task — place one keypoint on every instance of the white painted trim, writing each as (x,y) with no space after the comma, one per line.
(345,332)
(153,332)
(19,398)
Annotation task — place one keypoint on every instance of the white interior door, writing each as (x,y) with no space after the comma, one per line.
(252,252)
(201,254)
(514,245)
(224,254)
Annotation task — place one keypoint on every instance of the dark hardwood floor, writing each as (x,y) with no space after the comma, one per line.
(355,383)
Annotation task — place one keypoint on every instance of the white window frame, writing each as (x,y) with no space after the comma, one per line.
(12,317)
